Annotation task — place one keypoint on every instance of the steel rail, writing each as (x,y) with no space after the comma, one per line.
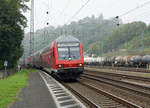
(128,83)
(120,75)
(115,98)
(116,83)
(86,100)
(140,70)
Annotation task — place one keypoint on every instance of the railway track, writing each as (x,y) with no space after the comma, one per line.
(119,75)
(108,100)
(83,98)
(135,88)
(141,70)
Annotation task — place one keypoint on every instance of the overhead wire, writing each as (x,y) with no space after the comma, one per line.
(130,11)
(48,13)
(79,10)
(62,13)
(66,6)
(140,6)
(58,12)
(138,16)
(48,6)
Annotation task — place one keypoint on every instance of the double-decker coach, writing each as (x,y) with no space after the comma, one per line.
(27,61)
(63,57)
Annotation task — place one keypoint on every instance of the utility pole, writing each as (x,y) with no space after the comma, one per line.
(32,30)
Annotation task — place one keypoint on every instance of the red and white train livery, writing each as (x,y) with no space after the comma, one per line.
(63,58)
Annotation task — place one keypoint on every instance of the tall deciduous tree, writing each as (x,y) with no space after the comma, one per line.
(12,22)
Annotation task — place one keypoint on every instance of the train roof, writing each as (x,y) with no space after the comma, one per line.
(66,39)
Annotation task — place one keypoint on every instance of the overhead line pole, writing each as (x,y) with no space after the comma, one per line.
(32,29)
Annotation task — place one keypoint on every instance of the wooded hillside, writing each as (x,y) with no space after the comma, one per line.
(99,36)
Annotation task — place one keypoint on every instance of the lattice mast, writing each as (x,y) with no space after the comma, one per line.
(32,29)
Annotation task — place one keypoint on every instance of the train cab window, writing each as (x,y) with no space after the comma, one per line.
(75,53)
(63,53)
(69,51)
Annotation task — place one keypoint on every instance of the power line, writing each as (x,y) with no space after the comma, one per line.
(140,6)
(48,12)
(48,6)
(63,10)
(80,9)
(139,16)
(66,6)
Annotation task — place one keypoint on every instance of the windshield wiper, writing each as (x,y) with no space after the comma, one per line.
(66,56)
(73,56)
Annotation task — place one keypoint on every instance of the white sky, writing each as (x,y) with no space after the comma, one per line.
(61,11)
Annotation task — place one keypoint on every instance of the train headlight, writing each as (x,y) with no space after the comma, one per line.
(80,64)
(60,66)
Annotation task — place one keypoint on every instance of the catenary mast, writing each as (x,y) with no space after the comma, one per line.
(32,29)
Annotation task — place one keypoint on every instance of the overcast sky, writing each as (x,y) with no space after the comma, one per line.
(61,11)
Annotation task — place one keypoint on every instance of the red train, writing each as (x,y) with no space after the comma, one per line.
(62,58)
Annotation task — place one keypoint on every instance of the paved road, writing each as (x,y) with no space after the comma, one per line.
(35,95)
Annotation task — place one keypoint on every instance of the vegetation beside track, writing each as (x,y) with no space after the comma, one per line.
(10,86)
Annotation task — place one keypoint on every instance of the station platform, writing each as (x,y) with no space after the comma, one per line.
(34,95)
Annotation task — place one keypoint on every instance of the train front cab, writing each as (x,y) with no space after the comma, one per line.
(69,62)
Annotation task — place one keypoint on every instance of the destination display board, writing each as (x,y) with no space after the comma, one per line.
(68,44)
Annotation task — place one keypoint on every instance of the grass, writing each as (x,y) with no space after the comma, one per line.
(10,86)
(33,70)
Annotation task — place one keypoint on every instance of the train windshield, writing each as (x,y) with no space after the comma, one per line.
(75,53)
(63,53)
(69,53)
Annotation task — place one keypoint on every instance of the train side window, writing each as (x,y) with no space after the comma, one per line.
(53,53)
(50,60)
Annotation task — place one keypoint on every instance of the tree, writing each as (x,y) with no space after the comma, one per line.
(12,22)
